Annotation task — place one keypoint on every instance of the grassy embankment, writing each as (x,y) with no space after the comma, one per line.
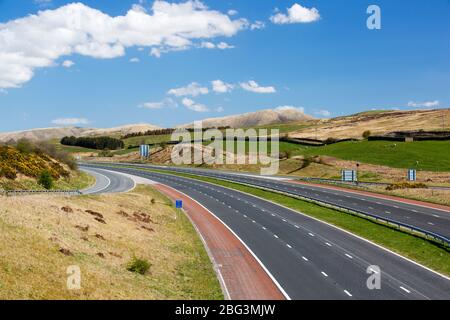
(428,253)
(41,236)
(20,169)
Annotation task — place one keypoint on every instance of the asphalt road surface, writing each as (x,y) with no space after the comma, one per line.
(108,182)
(426,218)
(310,259)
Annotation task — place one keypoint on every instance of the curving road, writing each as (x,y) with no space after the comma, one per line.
(108,182)
(426,218)
(308,258)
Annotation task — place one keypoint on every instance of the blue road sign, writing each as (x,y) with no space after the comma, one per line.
(412,175)
(179,204)
(144,151)
(349,175)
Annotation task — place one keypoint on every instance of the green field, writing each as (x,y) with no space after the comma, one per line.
(135,141)
(422,155)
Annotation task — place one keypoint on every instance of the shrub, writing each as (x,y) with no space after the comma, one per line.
(46,180)
(140,266)
(366,134)
(8,173)
(331,140)
(406,185)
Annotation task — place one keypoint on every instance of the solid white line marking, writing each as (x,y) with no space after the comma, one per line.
(348,293)
(349,256)
(406,290)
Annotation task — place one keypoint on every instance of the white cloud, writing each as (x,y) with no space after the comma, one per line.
(37,41)
(220,109)
(232,12)
(70,121)
(68,63)
(192,105)
(207,45)
(323,113)
(253,86)
(257,25)
(135,60)
(193,90)
(296,14)
(166,103)
(221,45)
(426,104)
(221,87)
(224,45)
(290,108)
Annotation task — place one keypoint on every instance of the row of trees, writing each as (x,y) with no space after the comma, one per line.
(98,143)
(159,132)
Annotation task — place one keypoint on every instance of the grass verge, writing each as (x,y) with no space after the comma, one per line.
(41,236)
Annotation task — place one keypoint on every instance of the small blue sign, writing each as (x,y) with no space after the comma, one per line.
(349,175)
(144,151)
(179,204)
(412,175)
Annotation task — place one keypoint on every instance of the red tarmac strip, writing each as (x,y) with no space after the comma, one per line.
(377,195)
(244,277)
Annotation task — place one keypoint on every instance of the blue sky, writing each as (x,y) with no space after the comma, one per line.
(330,66)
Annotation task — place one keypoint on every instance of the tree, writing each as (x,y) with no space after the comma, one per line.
(46,180)
(366,134)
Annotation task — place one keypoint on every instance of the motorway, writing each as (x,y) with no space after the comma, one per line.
(108,182)
(308,258)
(426,218)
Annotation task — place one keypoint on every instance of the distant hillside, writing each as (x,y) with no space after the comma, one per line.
(259,118)
(378,123)
(58,133)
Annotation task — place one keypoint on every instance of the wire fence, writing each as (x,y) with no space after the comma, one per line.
(10,193)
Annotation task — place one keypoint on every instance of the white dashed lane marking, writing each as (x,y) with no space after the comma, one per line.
(406,290)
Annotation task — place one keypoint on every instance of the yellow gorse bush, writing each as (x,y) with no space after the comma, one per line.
(13,162)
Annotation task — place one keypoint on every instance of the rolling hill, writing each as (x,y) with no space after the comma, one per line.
(57,133)
(280,115)
(378,123)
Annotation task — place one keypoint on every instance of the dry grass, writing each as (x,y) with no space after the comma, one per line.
(34,229)
(77,180)
(429,195)
(377,123)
